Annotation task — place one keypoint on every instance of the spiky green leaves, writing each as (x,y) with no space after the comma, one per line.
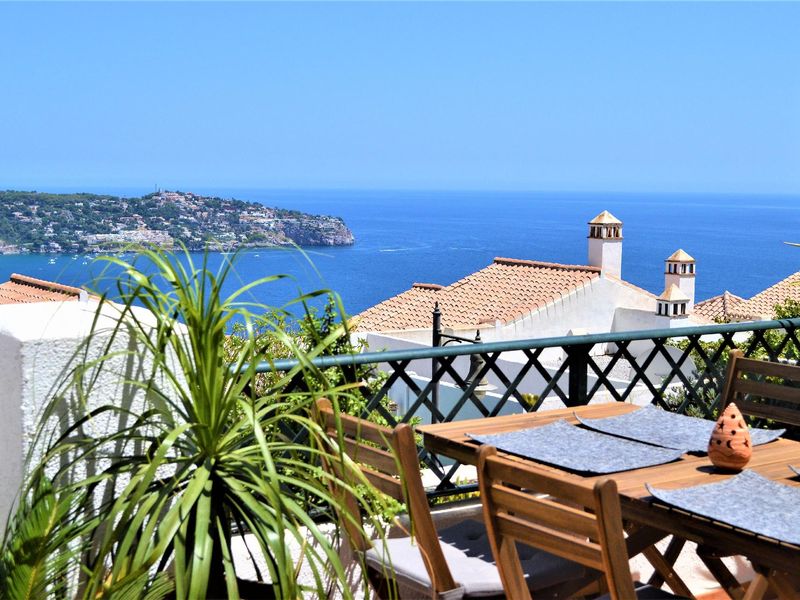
(150,506)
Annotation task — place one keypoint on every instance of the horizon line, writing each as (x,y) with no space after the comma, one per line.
(92,189)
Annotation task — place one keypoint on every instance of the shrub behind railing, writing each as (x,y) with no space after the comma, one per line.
(696,358)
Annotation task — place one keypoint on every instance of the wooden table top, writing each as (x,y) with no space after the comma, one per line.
(770,460)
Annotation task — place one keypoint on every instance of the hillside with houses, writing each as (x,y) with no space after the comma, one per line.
(34,222)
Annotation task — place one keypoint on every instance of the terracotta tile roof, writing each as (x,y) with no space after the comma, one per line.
(427,286)
(504,291)
(680,256)
(409,310)
(22,289)
(605,218)
(718,308)
(762,305)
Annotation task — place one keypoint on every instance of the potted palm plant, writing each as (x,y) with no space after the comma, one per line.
(150,507)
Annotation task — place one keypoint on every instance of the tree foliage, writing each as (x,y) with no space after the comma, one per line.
(709,378)
(307,332)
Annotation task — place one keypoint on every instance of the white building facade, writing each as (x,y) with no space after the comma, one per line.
(525,299)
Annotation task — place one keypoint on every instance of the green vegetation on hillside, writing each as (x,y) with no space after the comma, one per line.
(41,222)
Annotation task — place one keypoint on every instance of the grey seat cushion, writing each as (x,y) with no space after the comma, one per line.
(468,554)
(402,556)
(542,569)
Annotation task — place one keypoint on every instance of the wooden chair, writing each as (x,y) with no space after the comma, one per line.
(452,563)
(540,509)
(755,397)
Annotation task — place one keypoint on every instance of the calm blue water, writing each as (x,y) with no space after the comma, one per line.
(439,237)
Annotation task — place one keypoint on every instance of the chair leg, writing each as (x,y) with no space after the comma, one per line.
(384,588)
(589,585)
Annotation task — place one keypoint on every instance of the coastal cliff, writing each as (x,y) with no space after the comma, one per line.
(41,223)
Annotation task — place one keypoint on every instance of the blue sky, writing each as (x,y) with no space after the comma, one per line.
(568,96)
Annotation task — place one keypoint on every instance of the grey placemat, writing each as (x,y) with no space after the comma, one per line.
(570,447)
(747,501)
(667,429)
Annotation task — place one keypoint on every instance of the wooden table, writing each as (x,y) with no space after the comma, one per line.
(770,460)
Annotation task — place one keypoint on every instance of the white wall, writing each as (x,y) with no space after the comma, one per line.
(592,307)
(685,283)
(38,346)
(449,394)
(606,253)
(417,336)
(11,428)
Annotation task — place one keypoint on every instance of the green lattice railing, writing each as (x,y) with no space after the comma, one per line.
(691,364)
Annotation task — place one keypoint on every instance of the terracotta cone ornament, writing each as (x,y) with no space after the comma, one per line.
(730,446)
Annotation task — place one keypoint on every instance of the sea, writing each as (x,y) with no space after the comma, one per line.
(404,237)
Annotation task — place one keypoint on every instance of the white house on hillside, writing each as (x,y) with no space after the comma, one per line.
(525,299)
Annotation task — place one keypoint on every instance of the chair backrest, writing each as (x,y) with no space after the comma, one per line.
(541,509)
(388,459)
(746,385)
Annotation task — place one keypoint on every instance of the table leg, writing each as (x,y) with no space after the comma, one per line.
(723,575)
(642,540)
(676,544)
(781,585)
(757,588)
(663,568)
(639,538)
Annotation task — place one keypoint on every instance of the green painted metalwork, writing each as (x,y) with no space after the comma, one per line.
(695,359)
(564,341)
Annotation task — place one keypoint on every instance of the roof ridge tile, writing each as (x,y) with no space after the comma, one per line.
(521,262)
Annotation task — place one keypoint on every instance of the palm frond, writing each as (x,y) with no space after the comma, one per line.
(202,451)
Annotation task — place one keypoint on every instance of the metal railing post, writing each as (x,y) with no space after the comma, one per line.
(436,341)
(578,357)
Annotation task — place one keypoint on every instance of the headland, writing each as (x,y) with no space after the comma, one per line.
(36,222)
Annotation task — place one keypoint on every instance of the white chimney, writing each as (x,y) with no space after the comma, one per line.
(679,271)
(605,244)
(672,302)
